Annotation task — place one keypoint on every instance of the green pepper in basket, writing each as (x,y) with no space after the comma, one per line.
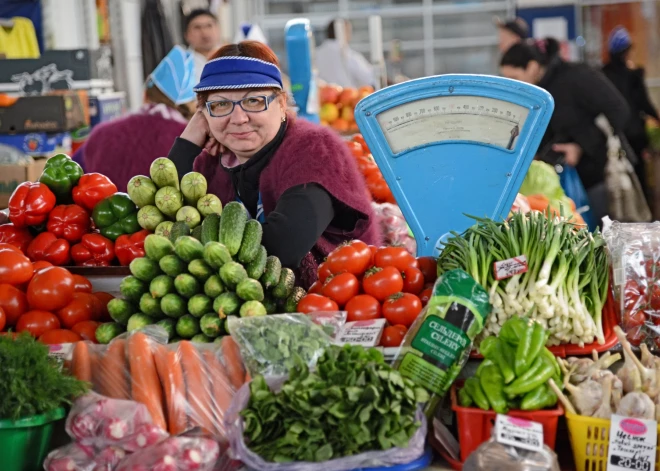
(464,398)
(61,174)
(492,349)
(539,398)
(530,345)
(474,390)
(513,330)
(115,216)
(540,372)
(492,384)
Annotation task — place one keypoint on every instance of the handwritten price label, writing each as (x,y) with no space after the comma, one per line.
(511,267)
(519,433)
(632,444)
(365,333)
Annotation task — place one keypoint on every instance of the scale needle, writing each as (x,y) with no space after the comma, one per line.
(514,133)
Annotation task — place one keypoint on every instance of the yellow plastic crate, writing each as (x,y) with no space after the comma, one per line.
(590,439)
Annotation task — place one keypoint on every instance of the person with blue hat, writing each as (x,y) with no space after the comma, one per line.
(297,178)
(125,147)
(629,80)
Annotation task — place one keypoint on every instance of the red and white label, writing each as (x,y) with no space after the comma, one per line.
(511,267)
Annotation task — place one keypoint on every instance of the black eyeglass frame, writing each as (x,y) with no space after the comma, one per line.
(268,100)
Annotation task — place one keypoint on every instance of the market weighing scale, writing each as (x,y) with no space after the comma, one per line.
(299,42)
(453,145)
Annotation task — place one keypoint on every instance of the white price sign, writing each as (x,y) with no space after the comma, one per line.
(365,333)
(633,444)
(519,433)
(510,267)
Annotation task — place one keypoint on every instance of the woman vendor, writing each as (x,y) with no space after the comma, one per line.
(297,178)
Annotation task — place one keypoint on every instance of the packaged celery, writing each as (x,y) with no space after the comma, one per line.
(438,344)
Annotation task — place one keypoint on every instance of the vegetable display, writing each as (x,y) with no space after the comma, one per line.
(565,282)
(376,184)
(354,392)
(515,372)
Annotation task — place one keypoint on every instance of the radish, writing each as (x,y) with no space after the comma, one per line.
(82,426)
(115,429)
(109,457)
(166,463)
(145,435)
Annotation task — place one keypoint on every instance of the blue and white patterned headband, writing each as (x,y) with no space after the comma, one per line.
(233,72)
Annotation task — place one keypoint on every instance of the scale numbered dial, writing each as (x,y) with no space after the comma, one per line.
(452,118)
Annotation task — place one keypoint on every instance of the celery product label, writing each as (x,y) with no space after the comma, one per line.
(441,342)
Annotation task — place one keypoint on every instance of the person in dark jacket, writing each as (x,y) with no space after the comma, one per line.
(630,83)
(581,94)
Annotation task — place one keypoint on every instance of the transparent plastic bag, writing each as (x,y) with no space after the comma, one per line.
(268,343)
(175,454)
(394,226)
(331,322)
(634,251)
(77,457)
(493,456)
(372,459)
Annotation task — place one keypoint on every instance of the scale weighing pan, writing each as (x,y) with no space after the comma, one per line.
(452,145)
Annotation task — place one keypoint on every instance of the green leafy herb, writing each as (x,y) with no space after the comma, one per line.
(353,403)
(32,381)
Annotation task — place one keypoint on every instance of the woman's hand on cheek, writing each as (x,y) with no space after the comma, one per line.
(197,130)
(213,147)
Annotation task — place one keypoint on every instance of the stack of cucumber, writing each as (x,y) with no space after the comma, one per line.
(190,288)
(165,201)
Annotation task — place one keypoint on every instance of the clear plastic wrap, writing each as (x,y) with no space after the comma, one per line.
(634,250)
(331,322)
(268,343)
(493,456)
(394,226)
(77,457)
(175,454)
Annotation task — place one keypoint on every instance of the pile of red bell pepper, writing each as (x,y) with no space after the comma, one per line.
(68,217)
(49,302)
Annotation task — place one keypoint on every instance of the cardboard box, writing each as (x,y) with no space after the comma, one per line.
(106,107)
(38,144)
(13,175)
(53,113)
(76,69)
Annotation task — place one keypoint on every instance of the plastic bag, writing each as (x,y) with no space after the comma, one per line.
(174,454)
(493,456)
(371,459)
(77,457)
(634,251)
(394,226)
(574,189)
(268,343)
(330,322)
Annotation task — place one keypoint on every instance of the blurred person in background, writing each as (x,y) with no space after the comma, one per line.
(511,32)
(202,35)
(339,64)
(125,147)
(581,94)
(629,80)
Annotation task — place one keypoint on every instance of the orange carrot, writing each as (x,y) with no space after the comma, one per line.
(112,377)
(198,388)
(233,361)
(146,384)
(171,378)
(81,364)
(538,202)
(222,391)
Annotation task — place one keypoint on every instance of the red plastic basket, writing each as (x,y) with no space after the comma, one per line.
(609,321)
(474,425)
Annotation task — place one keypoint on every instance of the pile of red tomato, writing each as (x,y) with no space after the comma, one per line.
(376,184)
(49,302)
(373,283)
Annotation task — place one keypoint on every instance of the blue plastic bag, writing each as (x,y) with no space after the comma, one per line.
(574,189)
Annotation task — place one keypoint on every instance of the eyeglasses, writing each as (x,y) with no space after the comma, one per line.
(249,104)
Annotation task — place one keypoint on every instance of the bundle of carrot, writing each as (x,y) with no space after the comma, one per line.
(183,385)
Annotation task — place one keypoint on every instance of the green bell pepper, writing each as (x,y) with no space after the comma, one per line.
(540,372)
(116,215)
(530,345)
(492,349)
(492,384)
(464,398)
(473,388)
(513,329)
(540,398)
(61,174)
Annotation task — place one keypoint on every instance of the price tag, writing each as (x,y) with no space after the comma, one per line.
(365,333)
(519,433)
(633,444)
(511,267)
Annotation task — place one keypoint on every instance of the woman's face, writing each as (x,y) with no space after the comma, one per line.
(245,133)
(529,74)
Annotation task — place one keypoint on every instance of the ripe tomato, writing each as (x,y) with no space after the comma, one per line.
(3,319)
(636,335)
(316,288)
(633,318)
(425,295)
(378,187)
(402,308)
(396,257)
(402,328)
(354,257)
(654,296)
(57,336)
(316,303)
(86,329)
(40,265)
(362,307)
(429,267)
(15,268)
(37,322)
(360,139)
(373,249)
(413,280)
(104,298)
(51,289)
(368,167)
(381,283)
(324,271)
(83,307)
(392,337)
(82,284)
(355,148)
(13,302)
(341,288)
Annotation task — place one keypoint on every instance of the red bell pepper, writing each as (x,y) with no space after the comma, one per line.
(93,251)
(128,247)
(30,204)
(46,246)
(92,188)
(69,221)
(19,237)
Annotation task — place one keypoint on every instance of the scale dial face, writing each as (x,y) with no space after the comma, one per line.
(453,118)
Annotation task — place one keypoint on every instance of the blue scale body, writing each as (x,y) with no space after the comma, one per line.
(438,179)
(299,42)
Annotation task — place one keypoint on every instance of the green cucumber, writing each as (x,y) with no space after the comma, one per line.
(138,321)
(232,274)
(168,325)
(188,248)
(284,287)
(217,340)
(214,287)
(216,255)
(291,304)
(210,228)
(252,309)
(156,247)
(197,233)
(121,310)
(227,304)
(172,265)
(186,285)
(201,338)
(132,289)
(257,266)
(251,241)
(187,326)
(250,290)
(160,286)
(108,331)
(270,304)
(272,272)
(173,305)
(200,270)
(177,230)
(150,306)
(211,325)
(199,305)
(174,339)
(164,229)
(144,269)
(232,226)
